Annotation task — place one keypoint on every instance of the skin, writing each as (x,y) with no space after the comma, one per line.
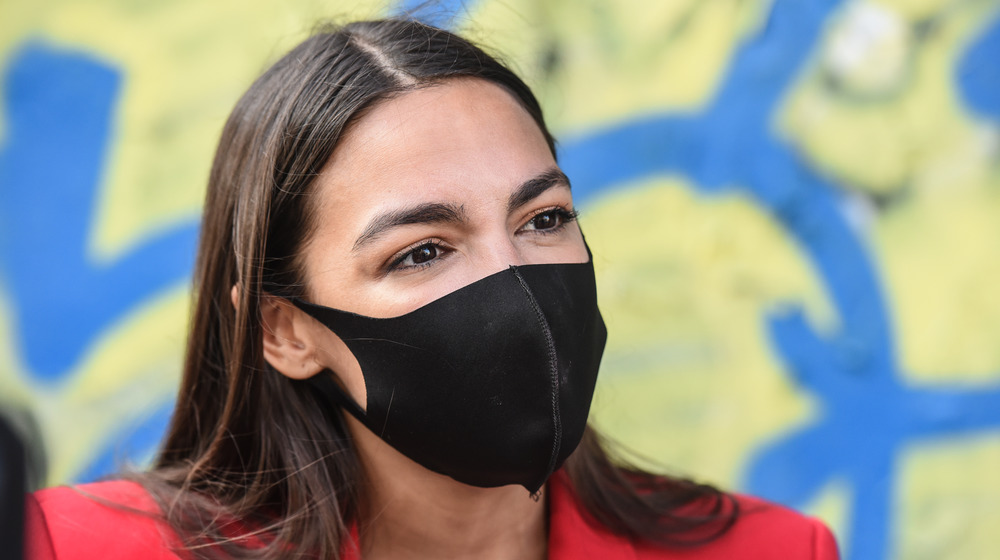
(467,146)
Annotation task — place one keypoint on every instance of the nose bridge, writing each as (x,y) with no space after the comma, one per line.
(500,253)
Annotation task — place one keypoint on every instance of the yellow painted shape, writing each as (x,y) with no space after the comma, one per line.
(948,503)
(940,258)
(617,59)
(688,378)
(880,141)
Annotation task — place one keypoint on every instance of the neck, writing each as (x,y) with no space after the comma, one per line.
(415,513)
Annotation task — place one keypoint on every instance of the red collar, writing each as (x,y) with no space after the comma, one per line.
(572,535)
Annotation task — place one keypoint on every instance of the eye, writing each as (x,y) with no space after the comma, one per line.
(550,220)
(421,254)
(417,256)
(546,220)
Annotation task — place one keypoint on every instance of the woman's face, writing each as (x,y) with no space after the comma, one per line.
(426,193)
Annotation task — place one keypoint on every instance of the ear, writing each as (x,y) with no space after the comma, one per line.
(288,340)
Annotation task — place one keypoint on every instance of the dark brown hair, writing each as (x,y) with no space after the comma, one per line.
(250,450)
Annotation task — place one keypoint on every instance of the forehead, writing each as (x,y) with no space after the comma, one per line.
(458,140)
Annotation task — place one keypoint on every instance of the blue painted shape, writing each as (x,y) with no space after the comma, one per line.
(440,13)
(59,116)
(979,73)
(129,446)
(868,412)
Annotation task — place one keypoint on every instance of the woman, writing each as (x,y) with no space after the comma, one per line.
(395,341)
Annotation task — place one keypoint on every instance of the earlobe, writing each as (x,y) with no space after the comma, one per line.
(287,343)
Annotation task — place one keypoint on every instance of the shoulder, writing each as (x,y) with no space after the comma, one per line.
(762,530)
(115,519)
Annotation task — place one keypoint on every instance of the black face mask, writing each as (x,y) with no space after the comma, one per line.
(490,384)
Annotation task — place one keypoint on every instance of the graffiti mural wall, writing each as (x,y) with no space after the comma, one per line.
(794,207)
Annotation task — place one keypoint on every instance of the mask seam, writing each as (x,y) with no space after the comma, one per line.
(553,373)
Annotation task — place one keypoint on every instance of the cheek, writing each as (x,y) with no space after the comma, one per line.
(569,248)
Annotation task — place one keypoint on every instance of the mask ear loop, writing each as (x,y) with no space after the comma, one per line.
(324,380)
(324,383)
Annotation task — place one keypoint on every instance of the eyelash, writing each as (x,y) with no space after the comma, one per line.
(566,216)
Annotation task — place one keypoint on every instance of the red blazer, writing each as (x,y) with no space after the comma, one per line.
(69,524)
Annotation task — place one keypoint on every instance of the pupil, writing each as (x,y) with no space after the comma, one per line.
(424,254)
(544,221)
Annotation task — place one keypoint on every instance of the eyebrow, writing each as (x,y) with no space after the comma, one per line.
(429,213)
(532,188)
(442,213)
